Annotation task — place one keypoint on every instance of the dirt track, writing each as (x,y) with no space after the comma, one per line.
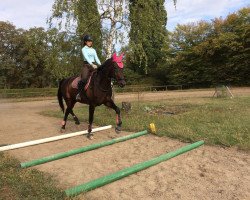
(204,173)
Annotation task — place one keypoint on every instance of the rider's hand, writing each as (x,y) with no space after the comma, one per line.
(94,66)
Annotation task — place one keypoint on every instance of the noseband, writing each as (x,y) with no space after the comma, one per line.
(116,71)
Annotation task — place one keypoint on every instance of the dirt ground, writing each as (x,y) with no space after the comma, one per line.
(204,173)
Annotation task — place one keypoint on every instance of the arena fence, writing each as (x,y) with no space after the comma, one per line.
(50,92)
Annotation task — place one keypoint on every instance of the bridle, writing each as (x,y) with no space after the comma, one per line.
(115,77)
(116,72)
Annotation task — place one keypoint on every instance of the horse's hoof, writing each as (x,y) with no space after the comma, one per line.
(62,130)
(77,122)
(90,136)
(118,129)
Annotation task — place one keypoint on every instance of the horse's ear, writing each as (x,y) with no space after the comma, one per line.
(121,56)
(114,56)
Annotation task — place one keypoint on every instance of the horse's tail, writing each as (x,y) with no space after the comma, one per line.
(59,95)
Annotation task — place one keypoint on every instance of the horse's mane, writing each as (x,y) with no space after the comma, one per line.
(104,65)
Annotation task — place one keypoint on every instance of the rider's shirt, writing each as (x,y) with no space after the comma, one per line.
(90,55)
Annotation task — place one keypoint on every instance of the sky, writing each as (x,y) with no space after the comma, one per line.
(196,10)
(34,13)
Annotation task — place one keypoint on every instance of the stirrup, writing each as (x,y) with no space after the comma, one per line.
(78,97)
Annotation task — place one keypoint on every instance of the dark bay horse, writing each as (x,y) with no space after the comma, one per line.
(98,92)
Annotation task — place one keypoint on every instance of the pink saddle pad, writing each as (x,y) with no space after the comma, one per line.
(75,82)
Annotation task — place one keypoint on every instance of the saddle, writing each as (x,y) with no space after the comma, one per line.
(74,83)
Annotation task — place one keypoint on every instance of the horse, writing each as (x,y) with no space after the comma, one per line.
(97,93)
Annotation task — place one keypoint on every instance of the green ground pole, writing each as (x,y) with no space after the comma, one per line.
(81,150)
(128,171)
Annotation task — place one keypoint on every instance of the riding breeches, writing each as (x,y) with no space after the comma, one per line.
(86,72)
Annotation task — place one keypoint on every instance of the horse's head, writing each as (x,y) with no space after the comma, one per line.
(117,73)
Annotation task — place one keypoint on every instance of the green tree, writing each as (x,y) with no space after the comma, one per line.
(81,17)
(115,23)
(148,34)
(10,60)
(188,66)
(33,63)
(212,53)
(62,60)
(229,49)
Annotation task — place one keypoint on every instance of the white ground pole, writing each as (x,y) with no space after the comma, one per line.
(50,139)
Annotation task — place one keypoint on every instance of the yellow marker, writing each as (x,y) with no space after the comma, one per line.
(152,128)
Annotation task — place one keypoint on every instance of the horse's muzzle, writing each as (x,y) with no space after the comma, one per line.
(121,83)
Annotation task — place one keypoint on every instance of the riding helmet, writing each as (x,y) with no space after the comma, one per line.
(87,38)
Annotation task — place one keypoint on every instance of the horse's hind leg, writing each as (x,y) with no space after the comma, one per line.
(65,118)
(77,122)
(68,111)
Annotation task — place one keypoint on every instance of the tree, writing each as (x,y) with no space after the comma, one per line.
(148,34)
(212,53)
(81,17)
(188,66)
(61,61)
(10,60)
(115,23)
(107,28)
(230,49)
(33,63)
(23,57)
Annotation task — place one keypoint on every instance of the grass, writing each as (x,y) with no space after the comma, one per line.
(218,121)
(17,183)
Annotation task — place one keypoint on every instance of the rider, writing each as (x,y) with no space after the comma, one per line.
(91,62)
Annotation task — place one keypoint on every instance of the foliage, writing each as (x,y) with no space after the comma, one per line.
(212,53)
(63,59)
(83,16)
(35,57)
(115,23)
(147,35)
(10,45)
(80,17)
(201,54)
(32,62)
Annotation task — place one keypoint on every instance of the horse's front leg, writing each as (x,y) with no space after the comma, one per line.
(112,105)
(91,118)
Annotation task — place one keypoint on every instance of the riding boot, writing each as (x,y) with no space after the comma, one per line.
(80,89)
